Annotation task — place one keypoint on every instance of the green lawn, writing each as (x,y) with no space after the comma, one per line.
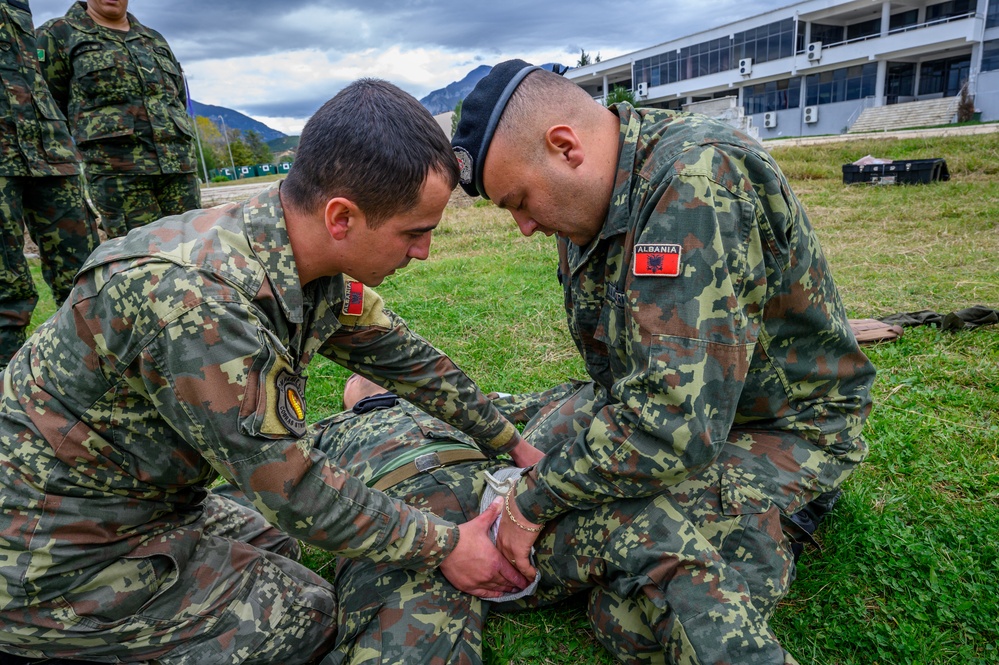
(908,571)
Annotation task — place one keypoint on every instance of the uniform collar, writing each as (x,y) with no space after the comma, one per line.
(267,234)
(619,212)
(83,22)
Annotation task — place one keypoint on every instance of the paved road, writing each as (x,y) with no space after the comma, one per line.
(894,134)
(216,194)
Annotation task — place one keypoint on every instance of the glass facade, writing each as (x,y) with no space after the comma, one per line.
(772,96)
(950,9)
(944,76)
(827,34)
(900,81)
(657,70)
(763,44)
(840,85)
(990,56)
(706,58)
(767,42)
(903,20)
(869,28)
(992,18)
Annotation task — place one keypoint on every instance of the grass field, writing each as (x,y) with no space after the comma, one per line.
(909,567)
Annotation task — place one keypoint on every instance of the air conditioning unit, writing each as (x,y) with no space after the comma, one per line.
(746,66)
(770,119)
(811,114)
(814,51)
(643,89)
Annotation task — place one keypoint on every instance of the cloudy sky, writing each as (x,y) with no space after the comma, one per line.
(279,60)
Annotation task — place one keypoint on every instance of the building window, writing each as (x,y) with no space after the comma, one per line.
(772,96)
(840,85)
(706,58)
(827,34)
(990,56)
(944,76)
(903,20)
(946,10)
(657,70)
(864,29)
(765,43)
(900,81)
(992,18)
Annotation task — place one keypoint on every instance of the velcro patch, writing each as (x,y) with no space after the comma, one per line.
(657,260)
(291,401)
(353,299)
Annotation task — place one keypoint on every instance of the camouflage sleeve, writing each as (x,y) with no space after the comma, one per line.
(55,67)
(378,345)
(680,345)
(211,368)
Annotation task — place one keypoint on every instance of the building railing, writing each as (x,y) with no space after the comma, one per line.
(896,31)
(865,104)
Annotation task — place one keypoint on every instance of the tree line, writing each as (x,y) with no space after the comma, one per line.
(247,148)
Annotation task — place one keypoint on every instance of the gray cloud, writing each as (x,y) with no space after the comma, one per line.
(202,32)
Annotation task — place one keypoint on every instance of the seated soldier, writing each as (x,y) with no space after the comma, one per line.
(689,607)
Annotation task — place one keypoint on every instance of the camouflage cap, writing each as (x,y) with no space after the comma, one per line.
(480,113)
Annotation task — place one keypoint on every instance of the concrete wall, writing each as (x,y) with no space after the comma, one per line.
(987,99)
(833,119)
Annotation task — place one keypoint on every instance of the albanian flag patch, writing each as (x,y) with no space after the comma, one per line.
(657,260)
(353,299)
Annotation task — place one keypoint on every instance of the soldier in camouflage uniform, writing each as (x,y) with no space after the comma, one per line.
(411,616)
(179,357)
(41,186)
(123,93)
(699,298)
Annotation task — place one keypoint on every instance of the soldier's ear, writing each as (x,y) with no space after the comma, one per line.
(340,216)
(563,142)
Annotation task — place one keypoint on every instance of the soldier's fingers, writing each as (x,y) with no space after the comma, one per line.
(512,575)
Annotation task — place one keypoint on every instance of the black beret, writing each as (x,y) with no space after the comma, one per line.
(480,113)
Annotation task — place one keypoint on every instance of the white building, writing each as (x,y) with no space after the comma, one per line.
(813,67)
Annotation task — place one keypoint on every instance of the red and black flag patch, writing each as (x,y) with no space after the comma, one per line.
(353,298)
(657,260)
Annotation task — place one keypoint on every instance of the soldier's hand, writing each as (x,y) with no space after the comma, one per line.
(525,455)
(476,566)
(516,537)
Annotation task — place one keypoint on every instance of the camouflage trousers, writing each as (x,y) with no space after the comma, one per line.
(719,538)
(127,201)
(55,213)
(240,597)
(657,569)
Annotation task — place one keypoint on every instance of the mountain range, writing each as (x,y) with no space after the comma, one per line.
(236,120)
(445,99)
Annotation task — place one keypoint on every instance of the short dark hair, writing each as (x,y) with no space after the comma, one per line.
(374,144)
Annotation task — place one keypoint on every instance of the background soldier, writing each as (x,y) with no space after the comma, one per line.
(705,312)
(41,186)
(123,93)
(179,357)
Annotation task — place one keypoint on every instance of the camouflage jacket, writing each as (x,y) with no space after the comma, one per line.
(122,93)
(177,357)
(34,138)
(704,304)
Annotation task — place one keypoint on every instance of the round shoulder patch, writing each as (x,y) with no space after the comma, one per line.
(464,164)
(291,402)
